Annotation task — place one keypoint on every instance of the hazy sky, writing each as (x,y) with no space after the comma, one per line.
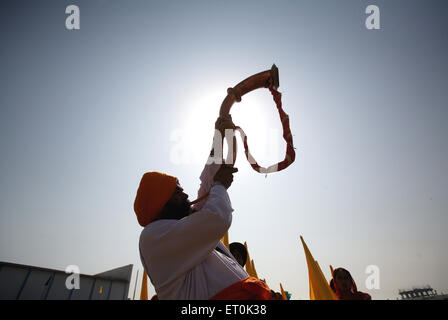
(84,113)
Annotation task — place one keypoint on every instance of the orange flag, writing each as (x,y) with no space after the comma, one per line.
(144,291)
(319,288)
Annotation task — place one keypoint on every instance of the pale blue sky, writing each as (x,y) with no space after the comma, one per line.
(85,113)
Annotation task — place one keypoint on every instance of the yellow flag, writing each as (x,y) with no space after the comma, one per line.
(144,290)
(253,269)
(250,269)
(225,240)
(283,293)
(247,259)
(101,290)
(312,296)
(319,288)
(334,297)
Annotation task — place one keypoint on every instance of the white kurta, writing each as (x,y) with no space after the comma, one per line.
(180,257)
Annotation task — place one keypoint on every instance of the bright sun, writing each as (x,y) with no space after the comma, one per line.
(256,114)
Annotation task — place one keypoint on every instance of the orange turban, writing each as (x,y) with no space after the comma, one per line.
(153,193)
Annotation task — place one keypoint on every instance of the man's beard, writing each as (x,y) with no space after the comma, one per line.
(185,208)
(178,211)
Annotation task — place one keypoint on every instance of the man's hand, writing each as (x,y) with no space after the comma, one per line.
(225,175)
(223,123)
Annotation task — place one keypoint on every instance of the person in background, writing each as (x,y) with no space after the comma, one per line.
(344,286)
(238,250)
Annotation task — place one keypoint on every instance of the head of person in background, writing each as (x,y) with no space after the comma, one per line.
(344,286)
(238,250)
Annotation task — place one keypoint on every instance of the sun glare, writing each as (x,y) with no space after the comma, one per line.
(256,114)
(199,123)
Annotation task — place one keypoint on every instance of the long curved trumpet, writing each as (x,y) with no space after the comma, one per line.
(266,79)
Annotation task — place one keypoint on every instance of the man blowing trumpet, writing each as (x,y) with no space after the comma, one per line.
(180,245)
(181,248)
